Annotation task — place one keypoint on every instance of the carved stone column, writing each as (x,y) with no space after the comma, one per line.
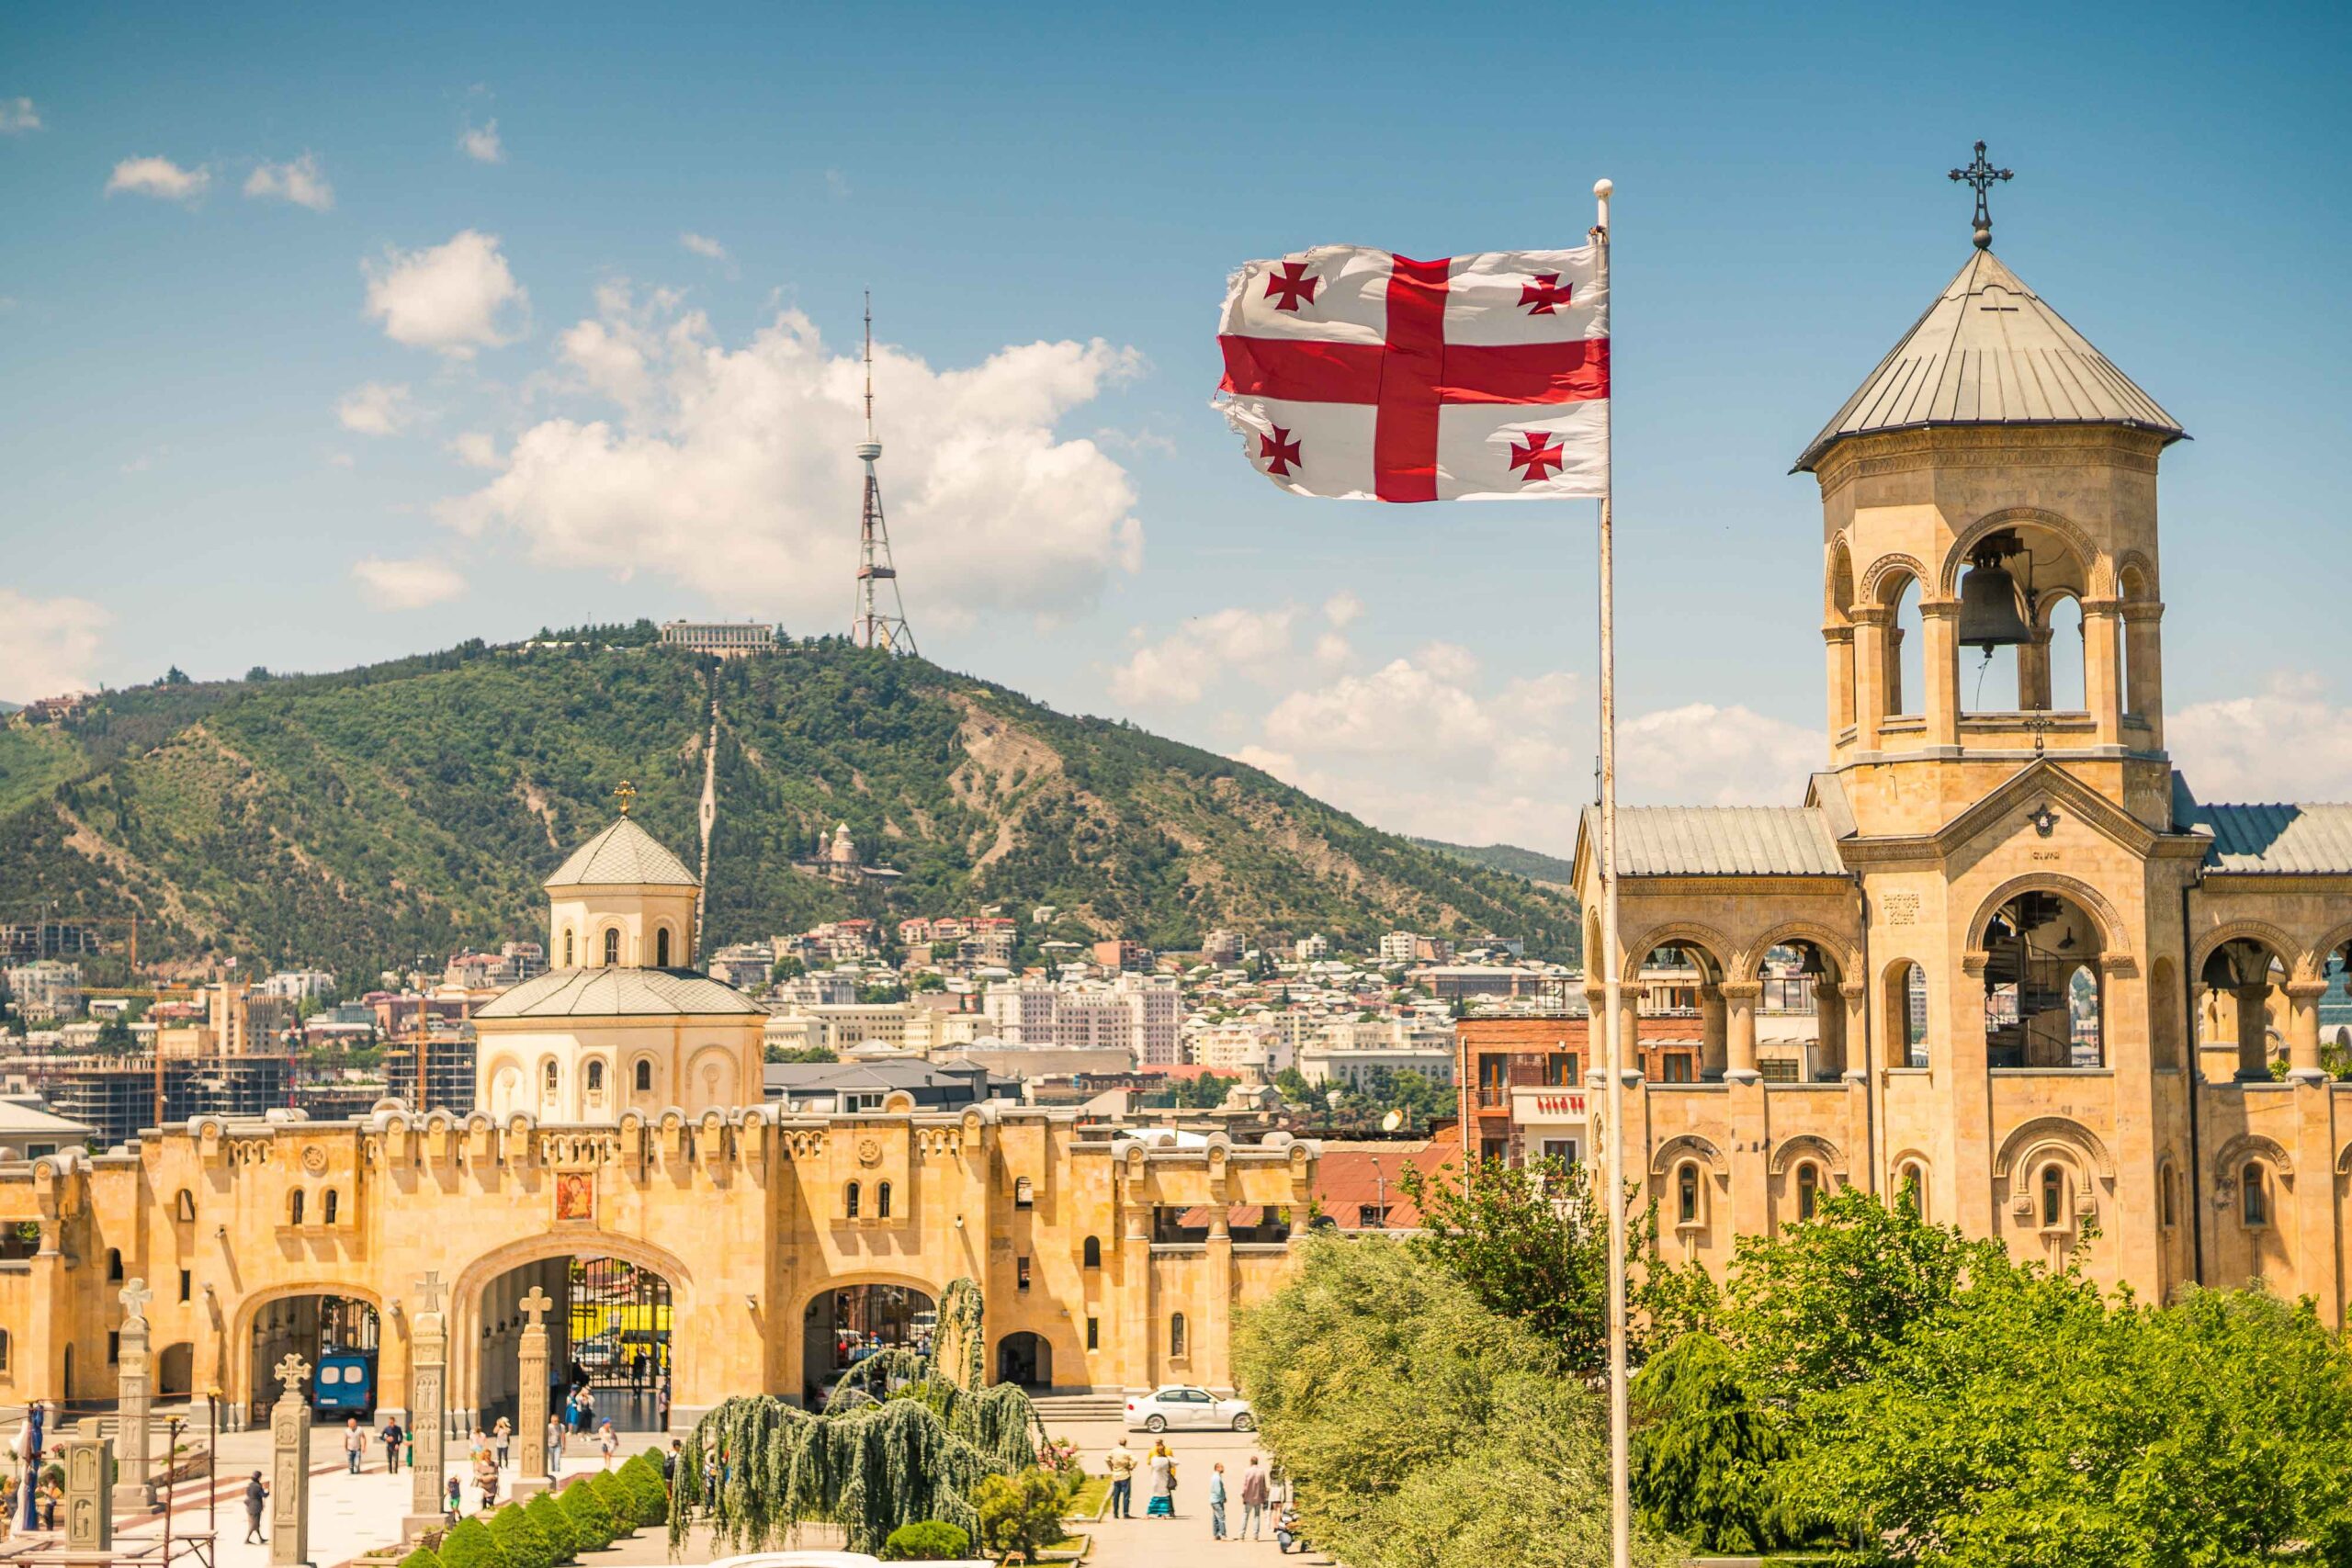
(2254,1021)
(428,1411)
(531,1397)
(2302,1031)
(89,1460)
(1873,629)
(2103,667)
(134,1489)
(1740,998)
(1711,1036)
(1939,669)
(289,1451)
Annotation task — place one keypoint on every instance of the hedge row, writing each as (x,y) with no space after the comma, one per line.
(588,1514)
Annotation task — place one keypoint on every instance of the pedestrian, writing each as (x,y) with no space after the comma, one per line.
(670,1458)
(486,1478)
(606,1442)
(1119,1464)
(408,1449)
(501,1438)
(1163,1484)
(454,1503)
(256,1494)
(1216,1501)
(478,1449)
(554,1447)
(1255,1495)
(587,1412)
(391,1434)
(355,1443)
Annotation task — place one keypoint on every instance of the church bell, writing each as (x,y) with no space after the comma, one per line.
(1992,607)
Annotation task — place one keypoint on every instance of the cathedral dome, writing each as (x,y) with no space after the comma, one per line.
(623,855)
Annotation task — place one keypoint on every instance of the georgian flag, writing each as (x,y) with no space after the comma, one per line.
(1361,374)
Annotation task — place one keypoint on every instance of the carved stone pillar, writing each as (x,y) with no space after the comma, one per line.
(1740,998)
(2302,1031)
(2144,681)
(428,1411)
(2254,1039)
(1839,639)
(89,1460)
(531,1397)
(289,1484)
(134,1489)
(1711,1036)
(1870,629)
(1939,669)
(1854,996)
(2102,667)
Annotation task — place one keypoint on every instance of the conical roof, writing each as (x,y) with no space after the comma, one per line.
(623,855)
(1989,352)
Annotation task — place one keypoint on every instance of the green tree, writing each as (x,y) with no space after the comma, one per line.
(801,1054)
(1532,1241)
(423,1557)
(2033,1423)
(1423,1429)
(593,1524)
(1704,1454)
(549,1515)
(470,1544)
(1021,1512)
(1292,1085)
(526,1545)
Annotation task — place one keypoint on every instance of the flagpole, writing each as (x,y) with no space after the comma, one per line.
(1612,1023)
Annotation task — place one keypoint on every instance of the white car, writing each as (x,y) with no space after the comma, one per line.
(1180,1405)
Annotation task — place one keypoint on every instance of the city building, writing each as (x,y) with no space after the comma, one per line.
(46,989)
(298,985)
(1221,947)
(2066,1002)
(729,640)
(1523,1081)
(1399,947)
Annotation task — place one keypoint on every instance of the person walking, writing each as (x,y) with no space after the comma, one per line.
(355,1444)
(1119,1464)
(554,1447)
(1255,1495)
(1163,1484)
(391,1434)
(606,1442)
(256,1495)
(1216,1501)
(501,1438)
(486,1478)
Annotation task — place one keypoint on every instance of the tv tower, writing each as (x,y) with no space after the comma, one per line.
(869,627)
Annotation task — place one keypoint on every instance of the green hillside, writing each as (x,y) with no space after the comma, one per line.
(361,819)
(1533,864)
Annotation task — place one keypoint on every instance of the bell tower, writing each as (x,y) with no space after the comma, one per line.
(1991,565)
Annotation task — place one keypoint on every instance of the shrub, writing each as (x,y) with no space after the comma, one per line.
(642,1476)
(526,1545)
(1020,1513)
(927,1540)
(423,1557)
(554,1524)
(619,1497)
(470,1544)
(593,1526)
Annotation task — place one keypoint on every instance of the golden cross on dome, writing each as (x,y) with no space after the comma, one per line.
(625,793)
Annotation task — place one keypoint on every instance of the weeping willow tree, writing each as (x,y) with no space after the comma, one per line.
(904,1436)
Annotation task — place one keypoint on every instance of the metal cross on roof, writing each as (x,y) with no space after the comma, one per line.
(537,1304)
(626,791)
(291,1371)
(1981,174)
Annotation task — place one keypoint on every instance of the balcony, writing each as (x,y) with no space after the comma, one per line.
(1547,1106)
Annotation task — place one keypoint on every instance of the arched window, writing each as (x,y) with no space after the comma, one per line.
(567,956)
(1906,690)
(548,1076)
(4,1350)
(596,1078)
(2054,1196)
(1686,1194)
(2164,1183)
(295,1206)
(184,1206)
(2063,647)
(114,1265)
(1091,1257)
(1911,1189)
(1176,1335)
(645,1075)
(1025,1196)
(327,1207)
(612,946)
(661,948)
(1906,1014)
(2255,1195)
(1809,1189)
(882,1201)
(849,1200)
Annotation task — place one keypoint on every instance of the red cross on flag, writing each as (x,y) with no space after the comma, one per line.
(1361,374)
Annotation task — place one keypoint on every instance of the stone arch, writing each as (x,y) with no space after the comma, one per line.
(1838,583)
(1837,949)
(2283,948)
(238,1352)
(464,1309)
(1679,933)
(1879,584)
(2114,936)
(1675,1150)
(1807,1145)
(2098,570)
(2030,1138)
(2311,965)
(710,1059)
(2248,1147)
(2131,564)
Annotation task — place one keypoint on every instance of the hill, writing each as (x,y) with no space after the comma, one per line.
(1533,864)
(358,819)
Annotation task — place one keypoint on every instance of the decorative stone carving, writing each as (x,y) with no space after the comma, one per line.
(531,1414)
(289,1484)
(132,1491)
(89,1500)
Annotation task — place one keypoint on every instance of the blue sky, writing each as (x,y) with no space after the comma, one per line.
(401,326)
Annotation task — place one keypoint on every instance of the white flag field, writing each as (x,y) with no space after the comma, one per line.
(1361,374)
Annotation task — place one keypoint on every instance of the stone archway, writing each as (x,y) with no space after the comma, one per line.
(843,1322)
(1026,1358)
(616,1304)
(305,1319)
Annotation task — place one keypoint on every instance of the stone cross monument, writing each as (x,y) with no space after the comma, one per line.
(427,1405)
(89,1496)
(531,1397)
(289,1484)
(133,1491)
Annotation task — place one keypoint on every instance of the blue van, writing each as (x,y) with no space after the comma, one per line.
(344,1383)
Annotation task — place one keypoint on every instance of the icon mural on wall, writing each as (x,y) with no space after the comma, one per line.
(575,1195)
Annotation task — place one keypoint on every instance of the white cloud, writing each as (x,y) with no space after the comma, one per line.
(158,177)
(475,450)
(375,408)
(733,471)
(302,182)
(481,143)
(1332,651)
(52,646)
(408,584)
(2286,742)
(1703,755)
(455,298)
(1341,609)
(703,245)
(18,115)
(1179,669)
